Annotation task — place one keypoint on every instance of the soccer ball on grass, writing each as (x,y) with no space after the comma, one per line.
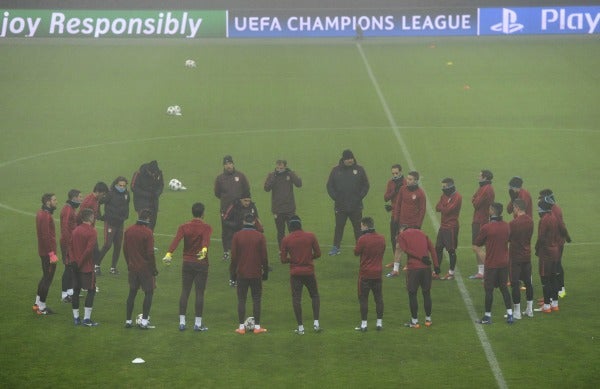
(249,324)
(176,185)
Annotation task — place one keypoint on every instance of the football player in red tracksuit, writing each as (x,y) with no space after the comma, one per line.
(409,209)
(280,183)
(68,222)
(494,236)
(519,254)
(392,190)
(138,250)
(249,267)
(300,249)
(516,191)
(420,255)
(229,187)
(482,199)
(550,234)
(449,207)
(83,243)
(194,270)
(548,197)
(370,247)
(46,236)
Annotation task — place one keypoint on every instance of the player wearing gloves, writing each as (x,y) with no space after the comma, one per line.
(420,254)
(138,249)
(46,236)
(249,267)
(194,270)
(299,249)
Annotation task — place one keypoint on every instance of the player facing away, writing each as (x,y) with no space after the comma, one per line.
(519,254)
(481,200)
(249,267)
(420,254)
(194,269)
(138,250)
(46,237)
(370,248)
(68,222)
(547,248)
(84,242)
(447,238)
(494,236)
(300,248)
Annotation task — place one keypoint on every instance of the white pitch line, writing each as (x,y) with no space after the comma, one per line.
(483,339)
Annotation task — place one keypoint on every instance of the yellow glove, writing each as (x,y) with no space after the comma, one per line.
(202,254)
(167,259)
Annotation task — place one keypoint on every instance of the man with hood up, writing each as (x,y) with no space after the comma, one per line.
(147,185)
(347,186)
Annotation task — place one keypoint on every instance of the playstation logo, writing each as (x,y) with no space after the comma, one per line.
(509,23)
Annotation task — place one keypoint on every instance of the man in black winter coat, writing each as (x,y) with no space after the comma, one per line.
(147,185)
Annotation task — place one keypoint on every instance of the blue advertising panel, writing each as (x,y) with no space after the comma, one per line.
(345,23)
(539,20)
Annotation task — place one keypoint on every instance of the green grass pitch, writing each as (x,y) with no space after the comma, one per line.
(77,111)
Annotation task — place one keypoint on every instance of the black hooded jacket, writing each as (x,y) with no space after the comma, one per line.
(347,186)
(147,185)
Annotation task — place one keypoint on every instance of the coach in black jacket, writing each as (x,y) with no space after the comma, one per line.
(347,186)
(147,185)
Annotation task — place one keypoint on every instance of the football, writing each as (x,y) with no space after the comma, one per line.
(174,110)
(190,63)
(175,184)
(249,323)
(138,319)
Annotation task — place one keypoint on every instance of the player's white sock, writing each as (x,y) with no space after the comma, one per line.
(70,292)
(37,300)
(451,272)
(63,294)
(509,311)
(144,322)
(480,269)
(182,319)
(363,324)
(198,321)
(529,305)
(75,313)
(241,327)
(87,313)
(427,318)
(414,321)
(316,323)
(257,327)
(379,322)
(300,328)
(488,314)
(41,305)
(396,266)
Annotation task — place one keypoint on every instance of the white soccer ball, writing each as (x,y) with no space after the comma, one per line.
(175,184)
(249,323)
(174,110)
(138,319)
(190,63)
